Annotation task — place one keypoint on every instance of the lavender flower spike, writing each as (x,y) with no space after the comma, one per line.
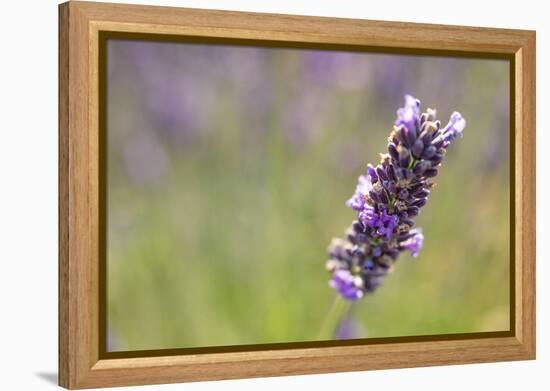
(387,199)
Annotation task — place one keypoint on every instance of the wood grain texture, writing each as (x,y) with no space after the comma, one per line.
(78,263)
(525,115)
(63,178)
(79,25)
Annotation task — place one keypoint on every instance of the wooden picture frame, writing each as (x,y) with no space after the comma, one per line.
(82,359)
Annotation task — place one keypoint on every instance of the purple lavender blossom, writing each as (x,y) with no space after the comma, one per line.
(414,243)
(364,186)
(388,198)
(455,126)
(346,284)
(408,114)
(382,223)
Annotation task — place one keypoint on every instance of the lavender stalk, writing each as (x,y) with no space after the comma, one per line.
(338,311)
(387,199)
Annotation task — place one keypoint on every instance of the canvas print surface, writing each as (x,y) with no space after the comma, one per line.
(259,195)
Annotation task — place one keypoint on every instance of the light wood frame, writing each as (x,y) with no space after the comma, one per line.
(80,361)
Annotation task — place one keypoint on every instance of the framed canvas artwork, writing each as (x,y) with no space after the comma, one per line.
(255,195)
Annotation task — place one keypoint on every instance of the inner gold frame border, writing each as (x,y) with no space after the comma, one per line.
(84,29)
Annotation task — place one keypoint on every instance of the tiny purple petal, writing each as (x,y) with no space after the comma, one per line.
(386,225)
(414,243)
(409,114)
(372,173)
(357,200)
(368,216)
(455,127)
(345,283)
(383,223)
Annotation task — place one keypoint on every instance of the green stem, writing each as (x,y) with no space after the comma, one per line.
(338,310)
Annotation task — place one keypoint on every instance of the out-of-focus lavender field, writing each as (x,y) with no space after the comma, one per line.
(228,172)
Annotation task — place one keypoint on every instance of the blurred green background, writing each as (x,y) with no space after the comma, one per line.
(228,170)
